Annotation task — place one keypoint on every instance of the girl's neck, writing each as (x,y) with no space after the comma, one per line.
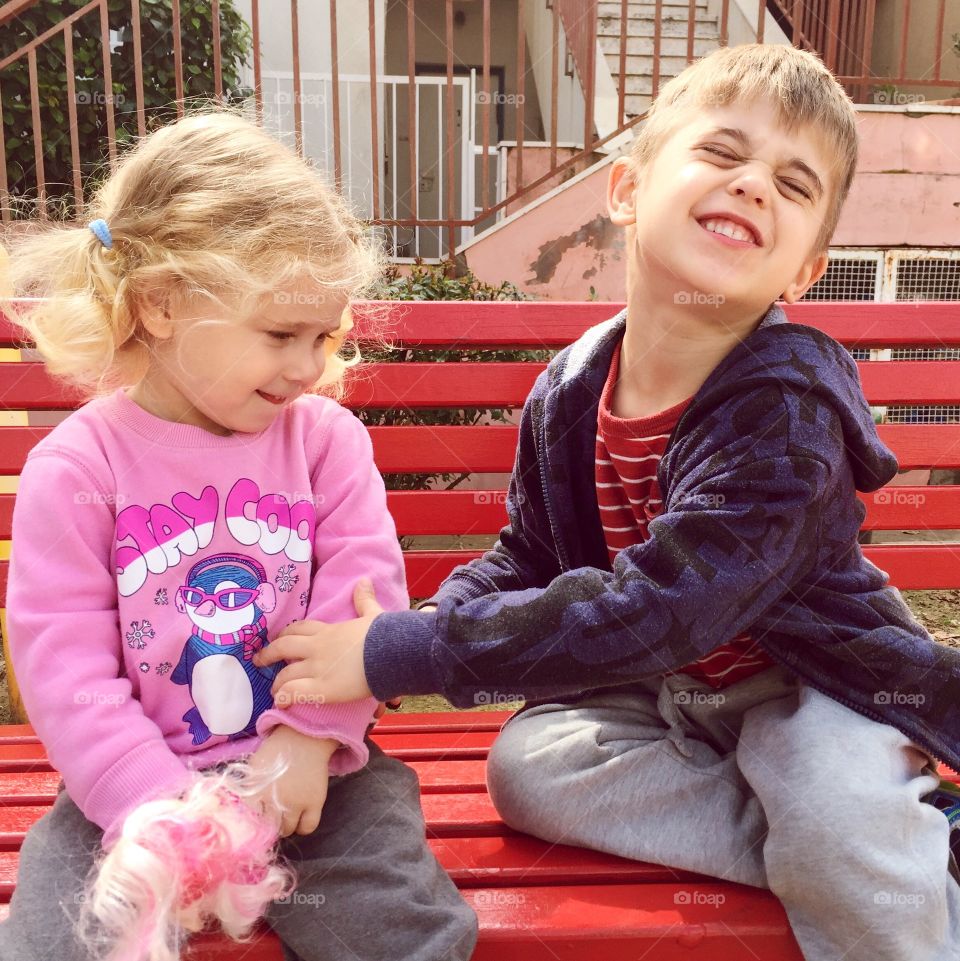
(166,402)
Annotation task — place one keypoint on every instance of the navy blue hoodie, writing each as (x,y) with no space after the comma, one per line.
(758,532)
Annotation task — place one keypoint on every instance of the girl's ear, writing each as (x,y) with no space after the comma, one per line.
(154,312)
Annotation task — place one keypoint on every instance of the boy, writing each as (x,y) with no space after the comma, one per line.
(716,679)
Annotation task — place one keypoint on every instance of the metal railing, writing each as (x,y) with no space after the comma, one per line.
(478,93)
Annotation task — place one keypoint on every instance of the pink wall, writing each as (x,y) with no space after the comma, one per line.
(906,193)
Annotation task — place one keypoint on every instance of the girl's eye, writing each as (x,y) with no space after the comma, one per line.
(279,334)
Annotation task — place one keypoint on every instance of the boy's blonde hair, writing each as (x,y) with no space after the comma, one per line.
(802,89)
(209,206)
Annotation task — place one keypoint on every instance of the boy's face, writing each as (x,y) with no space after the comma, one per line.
(726,170)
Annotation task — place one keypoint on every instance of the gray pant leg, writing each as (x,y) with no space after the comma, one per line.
(650,776)
(370,888)
(55,859)
(858,861)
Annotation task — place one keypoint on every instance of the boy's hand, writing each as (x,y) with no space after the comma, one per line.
(302,789)
(324,661)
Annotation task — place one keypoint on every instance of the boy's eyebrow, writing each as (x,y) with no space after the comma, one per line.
(741,137)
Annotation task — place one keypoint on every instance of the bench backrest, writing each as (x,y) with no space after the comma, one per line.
(26,390)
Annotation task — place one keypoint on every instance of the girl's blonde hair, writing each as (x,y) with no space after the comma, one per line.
(209,206)
(802,89)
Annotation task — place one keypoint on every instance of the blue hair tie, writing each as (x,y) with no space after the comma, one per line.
(102,232)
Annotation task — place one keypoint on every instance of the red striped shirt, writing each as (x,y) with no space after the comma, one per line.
(627,453)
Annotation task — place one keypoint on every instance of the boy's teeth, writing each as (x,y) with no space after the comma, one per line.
(729,229)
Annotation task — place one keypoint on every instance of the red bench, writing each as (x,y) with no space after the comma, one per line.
(535,900)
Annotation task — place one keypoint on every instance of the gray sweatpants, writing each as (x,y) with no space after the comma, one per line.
(768,783)
(370,888)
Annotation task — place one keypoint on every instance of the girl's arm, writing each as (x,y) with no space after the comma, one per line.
(66,644)
(355,536)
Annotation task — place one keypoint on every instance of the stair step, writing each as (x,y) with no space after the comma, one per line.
(648,7)
(644,27)
(643,47)
(643,66)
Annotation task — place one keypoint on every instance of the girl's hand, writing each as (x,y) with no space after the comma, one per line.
(324,661)
(302,789)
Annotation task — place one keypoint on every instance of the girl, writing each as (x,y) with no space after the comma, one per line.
(202,501)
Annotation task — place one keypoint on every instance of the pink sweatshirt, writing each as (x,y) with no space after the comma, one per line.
(152,559)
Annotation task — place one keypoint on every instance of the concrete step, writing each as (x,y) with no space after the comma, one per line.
(643,66)
(644,27)
(643,47)
(647,7)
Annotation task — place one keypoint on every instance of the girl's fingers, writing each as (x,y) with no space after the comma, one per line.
(292,672)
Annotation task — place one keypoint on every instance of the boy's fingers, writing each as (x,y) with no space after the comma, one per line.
(292,672)
(297,692)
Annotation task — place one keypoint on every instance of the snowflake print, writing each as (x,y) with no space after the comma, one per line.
(160,597)
(164,668)
(144,667)
(138,633)
(304,597)
(286,578)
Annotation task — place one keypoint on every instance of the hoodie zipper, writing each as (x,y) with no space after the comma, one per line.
(541,444)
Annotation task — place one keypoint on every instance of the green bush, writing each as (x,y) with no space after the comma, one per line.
(159,86)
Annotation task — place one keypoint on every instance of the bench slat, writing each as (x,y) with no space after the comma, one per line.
(28,386)
(557,323)
(407,450)
(426,513)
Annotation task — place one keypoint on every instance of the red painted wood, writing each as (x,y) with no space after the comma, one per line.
(27,386)
(557,323)
(492,448)
(419,513)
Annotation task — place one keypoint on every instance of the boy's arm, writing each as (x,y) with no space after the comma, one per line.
(355,536)
(734,540)
(525,555)
(67,649)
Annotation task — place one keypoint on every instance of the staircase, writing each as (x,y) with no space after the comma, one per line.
(638,71)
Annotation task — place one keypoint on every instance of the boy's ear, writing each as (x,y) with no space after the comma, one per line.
(808,275)
(621,193)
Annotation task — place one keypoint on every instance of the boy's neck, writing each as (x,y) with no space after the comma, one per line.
(669,350)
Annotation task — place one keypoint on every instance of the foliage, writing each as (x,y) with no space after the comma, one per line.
(442,281)
(159,85)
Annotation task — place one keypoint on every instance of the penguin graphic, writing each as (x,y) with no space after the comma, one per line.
(226,598)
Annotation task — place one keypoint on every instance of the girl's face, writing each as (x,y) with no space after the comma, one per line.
(230,374)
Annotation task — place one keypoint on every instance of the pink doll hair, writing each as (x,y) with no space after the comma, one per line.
(183,863)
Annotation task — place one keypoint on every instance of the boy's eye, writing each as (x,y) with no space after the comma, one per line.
(797,188)
(720,153)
